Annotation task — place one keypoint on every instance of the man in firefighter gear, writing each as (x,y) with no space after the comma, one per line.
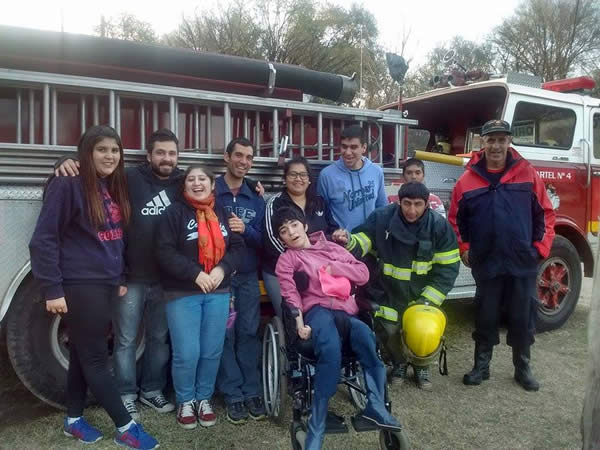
(417,262)
(504,221)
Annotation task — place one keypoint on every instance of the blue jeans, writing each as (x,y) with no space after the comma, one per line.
(238,375)
(197,328)
(141,301)
(328,349)
(273,291)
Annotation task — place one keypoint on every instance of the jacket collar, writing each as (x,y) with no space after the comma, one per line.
(146,171)
(477,162)
(221,188)
(401,232)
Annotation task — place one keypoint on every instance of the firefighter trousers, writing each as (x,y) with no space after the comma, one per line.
(516,296)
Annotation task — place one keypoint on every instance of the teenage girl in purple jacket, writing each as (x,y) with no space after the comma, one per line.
(77,257)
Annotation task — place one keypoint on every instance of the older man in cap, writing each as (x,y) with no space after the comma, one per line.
(505,225)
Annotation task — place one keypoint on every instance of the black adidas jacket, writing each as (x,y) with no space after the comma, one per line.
(149,197)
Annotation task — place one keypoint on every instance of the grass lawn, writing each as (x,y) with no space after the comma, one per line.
(498,414)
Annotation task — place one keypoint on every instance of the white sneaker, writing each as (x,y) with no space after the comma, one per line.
(186,415)
(206,415)
(158,403)
(132,409)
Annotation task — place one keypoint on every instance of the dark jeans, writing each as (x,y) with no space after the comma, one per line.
(141,301)
(518,296)
(88,319)
(328,349)
(238,378)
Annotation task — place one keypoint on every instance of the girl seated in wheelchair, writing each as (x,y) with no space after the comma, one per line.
(324,306)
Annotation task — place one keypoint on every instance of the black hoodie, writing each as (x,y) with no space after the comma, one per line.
(177,248)
(149,197)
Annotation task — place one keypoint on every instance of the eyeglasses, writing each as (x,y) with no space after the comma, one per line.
(301,175)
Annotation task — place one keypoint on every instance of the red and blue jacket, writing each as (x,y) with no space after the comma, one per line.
(505,221)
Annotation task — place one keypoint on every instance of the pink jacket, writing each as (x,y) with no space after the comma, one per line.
(310,260)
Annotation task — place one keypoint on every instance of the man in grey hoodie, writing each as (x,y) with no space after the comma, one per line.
(353,186)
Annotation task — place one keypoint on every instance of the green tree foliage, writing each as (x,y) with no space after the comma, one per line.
(126,27)
(550,38)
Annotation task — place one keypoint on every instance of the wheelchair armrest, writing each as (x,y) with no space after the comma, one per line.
(366,305)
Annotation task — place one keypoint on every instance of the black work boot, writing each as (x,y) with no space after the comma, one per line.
(523,375)
(481,369)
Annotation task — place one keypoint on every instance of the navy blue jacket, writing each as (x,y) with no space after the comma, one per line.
(66,248)
(250,207)
(506,221)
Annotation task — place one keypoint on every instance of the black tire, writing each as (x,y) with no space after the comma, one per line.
(294,428)
(274,371)
(389,440)
(560,272)
(28,330)
(359,400)
(38,345)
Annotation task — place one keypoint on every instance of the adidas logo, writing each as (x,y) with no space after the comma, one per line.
(157,205)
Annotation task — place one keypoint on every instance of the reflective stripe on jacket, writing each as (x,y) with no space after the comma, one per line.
(417,262)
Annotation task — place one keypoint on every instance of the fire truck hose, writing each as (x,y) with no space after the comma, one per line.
(440,158)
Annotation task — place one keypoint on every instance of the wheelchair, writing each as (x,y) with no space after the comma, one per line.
(288,368)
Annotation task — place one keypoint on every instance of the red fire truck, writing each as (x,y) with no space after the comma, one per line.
(54,85)
(555,127)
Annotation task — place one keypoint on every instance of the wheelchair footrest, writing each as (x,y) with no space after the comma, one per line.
(335,424)
(360,424)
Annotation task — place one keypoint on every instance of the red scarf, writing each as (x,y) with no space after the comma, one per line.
(211,245)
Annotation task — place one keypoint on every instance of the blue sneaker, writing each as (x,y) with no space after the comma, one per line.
(82,431)
(135,437)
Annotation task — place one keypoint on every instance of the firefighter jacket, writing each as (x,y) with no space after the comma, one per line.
(415,261)
(506,220)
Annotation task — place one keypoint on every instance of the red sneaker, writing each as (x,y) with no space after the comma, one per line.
(206,416)
(186,415)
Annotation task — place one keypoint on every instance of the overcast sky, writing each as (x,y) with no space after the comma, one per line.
(430,21)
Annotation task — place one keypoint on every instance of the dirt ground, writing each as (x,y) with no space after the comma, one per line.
(497,414)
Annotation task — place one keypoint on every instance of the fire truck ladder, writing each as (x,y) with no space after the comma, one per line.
(193,115)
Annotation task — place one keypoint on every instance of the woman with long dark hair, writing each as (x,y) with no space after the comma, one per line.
(197,254)
(77,257)
(300,194)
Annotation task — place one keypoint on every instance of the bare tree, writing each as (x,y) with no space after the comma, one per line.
(550,38)
(230,31)
(127,27)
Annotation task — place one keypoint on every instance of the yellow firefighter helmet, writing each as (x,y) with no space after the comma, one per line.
(423,329)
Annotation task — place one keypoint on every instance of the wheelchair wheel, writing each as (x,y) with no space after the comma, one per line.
(296,428)
(359,400)
(389,440)
(274,370)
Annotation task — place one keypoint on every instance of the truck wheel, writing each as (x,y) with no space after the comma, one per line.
(38,345)
(558,285)
(31,351)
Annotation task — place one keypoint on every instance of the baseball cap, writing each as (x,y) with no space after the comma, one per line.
(495,126)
